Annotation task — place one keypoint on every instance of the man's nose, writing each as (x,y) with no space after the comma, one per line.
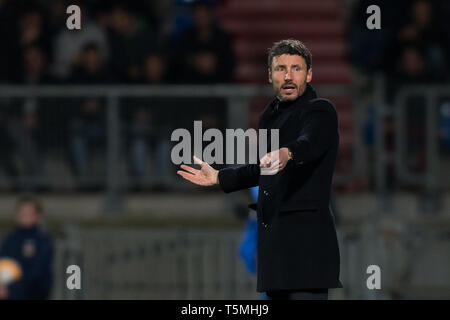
(287,75)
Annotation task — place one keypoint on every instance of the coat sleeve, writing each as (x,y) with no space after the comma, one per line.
(243,177)
(319,132)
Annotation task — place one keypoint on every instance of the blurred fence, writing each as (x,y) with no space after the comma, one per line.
(156,264)
(411,144)
(116,99)
(410,147)
(204,264)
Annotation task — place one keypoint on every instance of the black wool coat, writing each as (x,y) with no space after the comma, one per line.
(297,242)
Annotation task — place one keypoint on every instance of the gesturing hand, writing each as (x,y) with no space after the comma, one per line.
(273,163)
(206,176)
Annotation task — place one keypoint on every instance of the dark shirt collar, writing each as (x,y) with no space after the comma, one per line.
(279,106)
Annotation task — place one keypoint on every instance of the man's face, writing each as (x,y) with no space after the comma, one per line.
(27,216)
(288,76)
(92,60)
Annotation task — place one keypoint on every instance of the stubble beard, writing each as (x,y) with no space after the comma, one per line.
(300,90)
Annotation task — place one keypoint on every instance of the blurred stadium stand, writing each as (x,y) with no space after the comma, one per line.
(256,25)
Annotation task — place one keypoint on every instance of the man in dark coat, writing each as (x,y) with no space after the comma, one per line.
(298,253)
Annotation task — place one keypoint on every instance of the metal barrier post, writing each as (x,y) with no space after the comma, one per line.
(380,148)
(113,197)
(430,179)
(432,151)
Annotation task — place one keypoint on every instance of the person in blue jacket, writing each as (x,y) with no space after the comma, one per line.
(31,247)
(248,246)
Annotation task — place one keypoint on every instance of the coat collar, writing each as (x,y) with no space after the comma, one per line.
(309,94)
(276,106)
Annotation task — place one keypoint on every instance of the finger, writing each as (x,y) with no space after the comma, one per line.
(189,169)
(186,175)
(275,156)
(274,164)
(266,164)
(198,161)
(265,161)
(264,158)
(273,168)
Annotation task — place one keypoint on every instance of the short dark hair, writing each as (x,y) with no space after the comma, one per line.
(29,199)
(290,46)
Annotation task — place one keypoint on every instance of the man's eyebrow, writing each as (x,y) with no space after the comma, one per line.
(284,66)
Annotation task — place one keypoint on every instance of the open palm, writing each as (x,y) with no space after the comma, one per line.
(206,176)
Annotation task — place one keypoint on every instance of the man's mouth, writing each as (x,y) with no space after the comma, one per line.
(288,88)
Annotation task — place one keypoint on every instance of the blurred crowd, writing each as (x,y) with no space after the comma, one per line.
(120,42)
(173,42)
(412,47)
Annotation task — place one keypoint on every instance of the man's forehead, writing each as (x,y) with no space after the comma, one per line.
(288,59)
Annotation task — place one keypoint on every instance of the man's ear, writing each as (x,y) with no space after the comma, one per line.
(309,76)
(270,75)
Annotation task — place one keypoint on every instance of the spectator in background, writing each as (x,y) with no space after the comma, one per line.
(6,149)
(204,53)
(249,241)
(86,126)
(368,48)
(30,246)
(57,15)
(412,68)
(86,135)
(149,143)
(30,30)
(90,67)
(24,119)
(149,130)
(34,66)
(248,244)
(130,40)
(141,133)
(149,125)
(422,31)
(68,44)
(155,69)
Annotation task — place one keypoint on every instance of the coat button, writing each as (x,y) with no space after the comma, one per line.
(265,193)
